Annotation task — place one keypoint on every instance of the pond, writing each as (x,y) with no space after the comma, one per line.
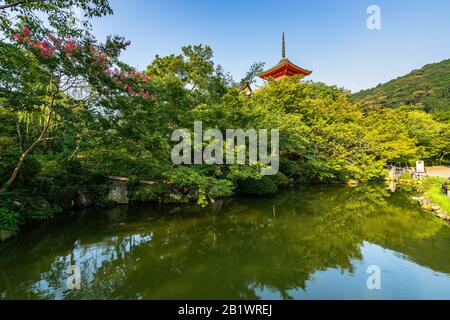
(303,243)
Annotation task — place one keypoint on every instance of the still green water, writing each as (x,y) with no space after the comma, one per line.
(306,243)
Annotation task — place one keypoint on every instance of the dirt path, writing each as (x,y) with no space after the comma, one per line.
(442,171)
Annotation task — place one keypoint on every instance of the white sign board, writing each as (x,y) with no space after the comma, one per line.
(420,166)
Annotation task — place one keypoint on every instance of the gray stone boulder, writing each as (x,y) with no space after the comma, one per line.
(118,193)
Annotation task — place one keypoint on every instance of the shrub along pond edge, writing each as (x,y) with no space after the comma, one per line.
(432,198)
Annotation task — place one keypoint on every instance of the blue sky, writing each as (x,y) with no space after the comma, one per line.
(329,37)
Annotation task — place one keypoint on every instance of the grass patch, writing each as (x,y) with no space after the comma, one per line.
(431,187)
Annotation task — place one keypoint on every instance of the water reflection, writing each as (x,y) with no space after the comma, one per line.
(303,243)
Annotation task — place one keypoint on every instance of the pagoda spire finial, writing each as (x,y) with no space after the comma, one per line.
(284,68)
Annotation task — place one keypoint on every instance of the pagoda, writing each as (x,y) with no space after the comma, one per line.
(285,68)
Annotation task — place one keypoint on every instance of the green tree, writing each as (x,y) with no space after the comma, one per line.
(43,71)
(196,70)
(251,75)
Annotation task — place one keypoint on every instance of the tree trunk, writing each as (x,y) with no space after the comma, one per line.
(75,153)
(29,149)
(444,154)
(19,134)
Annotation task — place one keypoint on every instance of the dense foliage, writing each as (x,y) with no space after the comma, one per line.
(427,88)
(73,116)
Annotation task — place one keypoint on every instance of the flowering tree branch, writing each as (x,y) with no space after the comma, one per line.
(79,64)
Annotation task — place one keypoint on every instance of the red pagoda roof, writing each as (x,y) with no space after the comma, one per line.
(284,68)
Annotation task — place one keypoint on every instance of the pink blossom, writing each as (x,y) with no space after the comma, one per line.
(68,48)
(46,52)
(26,31)
(16,37)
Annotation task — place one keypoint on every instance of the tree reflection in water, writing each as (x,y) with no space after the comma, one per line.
(237,249)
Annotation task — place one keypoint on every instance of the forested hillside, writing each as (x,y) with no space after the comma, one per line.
(427,88)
